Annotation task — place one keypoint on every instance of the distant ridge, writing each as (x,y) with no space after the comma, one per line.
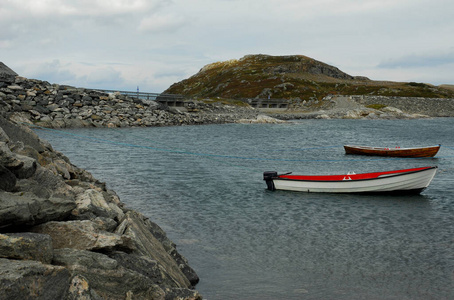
(4,69)
(291,77)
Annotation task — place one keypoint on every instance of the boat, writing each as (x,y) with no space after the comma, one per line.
(429,151)
(407,181)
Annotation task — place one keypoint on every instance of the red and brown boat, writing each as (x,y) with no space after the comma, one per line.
(429,151)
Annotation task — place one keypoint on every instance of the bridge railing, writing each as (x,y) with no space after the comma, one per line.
(147,96)
(266,103)
(176,100)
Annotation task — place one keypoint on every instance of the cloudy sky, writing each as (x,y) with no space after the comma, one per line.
(123,44)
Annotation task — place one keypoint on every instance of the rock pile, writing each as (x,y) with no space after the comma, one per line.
(59,106)
(369,107)
(64,235)
(432,107)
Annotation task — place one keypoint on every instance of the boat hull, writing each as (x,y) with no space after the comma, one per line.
(393,152)
(405,181)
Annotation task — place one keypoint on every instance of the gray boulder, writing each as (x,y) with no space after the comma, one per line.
(22,134)
(30,279)
(53,183)
(170,248)
(27,209)
(92,203)
(136,226)
(79,289)
(27,167)
(145,266)
(26,246)
(106,277)
(83,235)
(7,179)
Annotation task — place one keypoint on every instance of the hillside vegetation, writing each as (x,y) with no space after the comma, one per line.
(291,77)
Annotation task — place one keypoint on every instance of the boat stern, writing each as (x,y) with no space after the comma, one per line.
(268,176)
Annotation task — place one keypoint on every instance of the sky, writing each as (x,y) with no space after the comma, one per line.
(151,44)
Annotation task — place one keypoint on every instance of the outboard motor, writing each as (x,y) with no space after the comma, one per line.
(268,177)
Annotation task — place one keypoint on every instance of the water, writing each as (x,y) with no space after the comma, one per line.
(203,185)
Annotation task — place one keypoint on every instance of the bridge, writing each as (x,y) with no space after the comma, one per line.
(166,99)
(268,104)
(175,100)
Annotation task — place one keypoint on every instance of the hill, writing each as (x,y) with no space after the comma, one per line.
(291,77)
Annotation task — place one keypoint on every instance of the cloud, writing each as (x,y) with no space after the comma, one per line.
(53,71)
(76,74)
(55,8)
(419,60)
(154,43)
(161,23)
(5,44)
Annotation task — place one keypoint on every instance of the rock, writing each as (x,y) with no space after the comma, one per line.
(53,183)
(23,134)
(32,280)
(94,204)
(27,167)
(392,110)
(7,179)
(145,266)
(261,119)
(136,227)
(7,158)
(106,277)
(84,235)
(79,289)
(29,185)
(62,168)
(3,136)
(8,78)
(27,209)
(53,107)
(176,293)
(26,246)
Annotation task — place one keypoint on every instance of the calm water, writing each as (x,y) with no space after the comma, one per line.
(203,185)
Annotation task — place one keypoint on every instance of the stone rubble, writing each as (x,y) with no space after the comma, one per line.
(368,107)
(60,106)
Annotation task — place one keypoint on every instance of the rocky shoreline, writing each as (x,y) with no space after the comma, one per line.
(64,235)
(369,107)
(56,106)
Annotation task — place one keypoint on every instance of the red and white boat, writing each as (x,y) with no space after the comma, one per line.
(408,181)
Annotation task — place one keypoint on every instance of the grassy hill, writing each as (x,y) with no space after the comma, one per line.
(291,77)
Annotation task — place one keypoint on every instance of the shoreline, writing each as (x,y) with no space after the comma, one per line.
(65,235)
(54,106)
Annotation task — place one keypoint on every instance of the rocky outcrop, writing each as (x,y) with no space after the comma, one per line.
(369,107)
(5,70)
(57,106)
(64,235)
(432,107)
(291,77)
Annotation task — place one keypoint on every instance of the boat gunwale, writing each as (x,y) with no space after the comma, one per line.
(389,175)
(392,149)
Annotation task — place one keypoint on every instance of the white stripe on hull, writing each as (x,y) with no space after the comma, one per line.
(412,181)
